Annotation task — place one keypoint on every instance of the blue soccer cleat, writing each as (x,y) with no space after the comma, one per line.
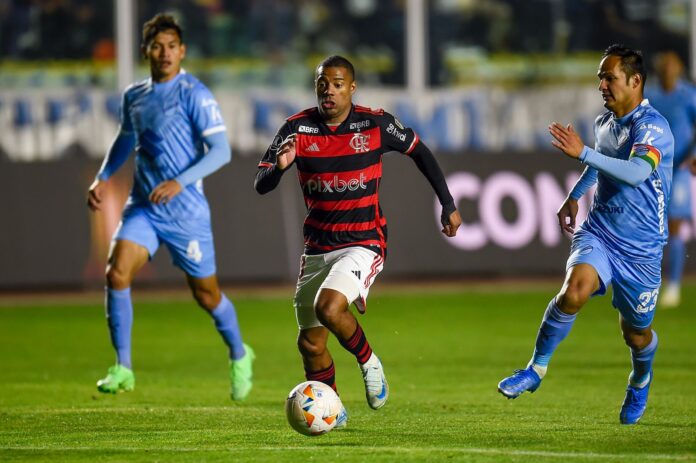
(635,402)
(521,381)
(342,419)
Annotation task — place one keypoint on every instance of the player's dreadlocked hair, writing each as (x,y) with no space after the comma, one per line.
(336,61)
(159,23)
(631,61)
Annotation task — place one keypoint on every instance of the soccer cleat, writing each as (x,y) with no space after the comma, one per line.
(521,381)
(342,418)
(118,378)
(376,386)
(241,374)
(670,297)
(634,403)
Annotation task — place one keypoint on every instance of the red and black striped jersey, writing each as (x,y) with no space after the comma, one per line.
(340,170)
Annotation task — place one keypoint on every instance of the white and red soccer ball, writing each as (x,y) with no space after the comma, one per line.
(312,408)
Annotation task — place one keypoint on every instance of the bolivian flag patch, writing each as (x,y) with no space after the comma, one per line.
(648,153)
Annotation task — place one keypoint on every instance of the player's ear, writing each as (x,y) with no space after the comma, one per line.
(183,50)
(353,87)
(143,51)
(636,80)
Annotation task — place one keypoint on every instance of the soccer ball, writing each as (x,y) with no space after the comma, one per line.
(312,408)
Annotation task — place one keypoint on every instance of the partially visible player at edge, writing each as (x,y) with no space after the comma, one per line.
(675,98)
(337,148)
(173,122)
(620,243)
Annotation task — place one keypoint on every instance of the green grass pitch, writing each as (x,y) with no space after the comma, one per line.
(444,351)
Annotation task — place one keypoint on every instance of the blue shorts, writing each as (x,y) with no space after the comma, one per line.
(680,202)
(635,285)
(190,242)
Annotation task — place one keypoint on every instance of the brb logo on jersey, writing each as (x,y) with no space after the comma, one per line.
(335,184)
(360,143)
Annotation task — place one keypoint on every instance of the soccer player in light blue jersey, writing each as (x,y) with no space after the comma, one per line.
(173,122)
(675,99)
(620,243)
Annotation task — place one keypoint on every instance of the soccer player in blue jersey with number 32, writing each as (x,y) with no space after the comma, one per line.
(174,124)
(620,243)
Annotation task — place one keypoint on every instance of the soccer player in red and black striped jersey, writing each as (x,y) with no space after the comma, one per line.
(337,148)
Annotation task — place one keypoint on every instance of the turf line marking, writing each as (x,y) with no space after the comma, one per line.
(51,411)
(463,450)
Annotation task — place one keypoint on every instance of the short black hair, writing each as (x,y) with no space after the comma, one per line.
(631,61)
(159,23)
(336,61)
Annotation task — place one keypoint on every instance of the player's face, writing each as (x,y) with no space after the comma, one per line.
(619,93)
(335,88)
(165,53)
(668,69)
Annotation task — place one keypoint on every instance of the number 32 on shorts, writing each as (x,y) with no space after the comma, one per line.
(647,300)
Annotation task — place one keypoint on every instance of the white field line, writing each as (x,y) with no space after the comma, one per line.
(371,449)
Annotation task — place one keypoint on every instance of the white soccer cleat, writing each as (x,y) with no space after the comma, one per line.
(376,386)
(671,296)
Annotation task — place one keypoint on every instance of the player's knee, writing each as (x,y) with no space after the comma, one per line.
(117,278)
(206,299)
(309,347)
(572,297)
(637,339)
(329,311)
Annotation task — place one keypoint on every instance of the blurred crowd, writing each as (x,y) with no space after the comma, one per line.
(372,32)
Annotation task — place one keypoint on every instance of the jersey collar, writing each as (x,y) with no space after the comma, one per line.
(629,116)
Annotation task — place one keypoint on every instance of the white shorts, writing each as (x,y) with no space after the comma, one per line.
(349,271)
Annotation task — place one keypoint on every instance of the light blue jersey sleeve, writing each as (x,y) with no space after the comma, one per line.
(584,183)
(206,118)
(218,155)
(204,112)
(121,147)
(652,138)
(632,172)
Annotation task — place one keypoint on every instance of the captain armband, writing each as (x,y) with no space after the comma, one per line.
(648,153)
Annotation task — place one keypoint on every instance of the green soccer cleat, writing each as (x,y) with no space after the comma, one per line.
(241,374)
(118,378)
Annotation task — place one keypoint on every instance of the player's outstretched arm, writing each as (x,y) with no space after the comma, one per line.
(427,164)
(633,171)
(269,173)
(120,149)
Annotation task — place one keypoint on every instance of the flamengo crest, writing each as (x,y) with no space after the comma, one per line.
(360,143)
